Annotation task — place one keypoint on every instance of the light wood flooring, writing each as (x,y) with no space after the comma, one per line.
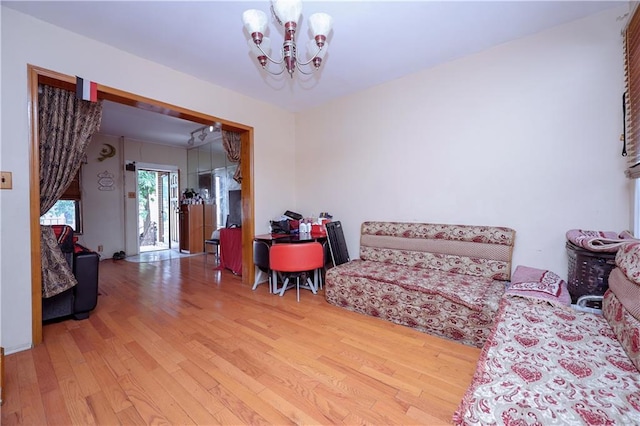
(177,342)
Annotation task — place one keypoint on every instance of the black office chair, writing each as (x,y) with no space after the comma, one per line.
(261,260)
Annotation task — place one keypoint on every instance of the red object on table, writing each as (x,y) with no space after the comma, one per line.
(231,249)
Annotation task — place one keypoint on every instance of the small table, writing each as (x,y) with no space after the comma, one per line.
(231,249)
(291,238)
(284,238)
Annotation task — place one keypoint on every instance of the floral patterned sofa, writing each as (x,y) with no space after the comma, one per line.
(546,363)
(442,279)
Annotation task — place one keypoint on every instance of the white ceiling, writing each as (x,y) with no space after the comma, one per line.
(372,42)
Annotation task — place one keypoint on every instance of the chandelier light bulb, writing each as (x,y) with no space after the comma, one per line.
(255,21)
(320,24)
(287,10)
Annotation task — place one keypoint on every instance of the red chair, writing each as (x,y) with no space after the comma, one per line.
(295,260)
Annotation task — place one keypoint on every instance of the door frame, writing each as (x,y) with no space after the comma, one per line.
(157,168)
(37,75)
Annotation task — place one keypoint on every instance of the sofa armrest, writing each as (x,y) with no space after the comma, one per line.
(85,269)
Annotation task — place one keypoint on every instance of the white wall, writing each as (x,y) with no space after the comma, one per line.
(152,156)
(102,211)
(110,217)
(25,40)
(524,135)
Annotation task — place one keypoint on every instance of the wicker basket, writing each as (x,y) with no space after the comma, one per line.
(588,271)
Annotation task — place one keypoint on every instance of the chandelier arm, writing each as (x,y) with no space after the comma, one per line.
(269,57)
(310,60)
(274,73)
(301,70)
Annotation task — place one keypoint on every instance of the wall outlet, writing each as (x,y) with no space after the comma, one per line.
(5,180)
(100,248)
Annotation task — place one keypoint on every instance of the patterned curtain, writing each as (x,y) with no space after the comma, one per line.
(65,125)
(231,144)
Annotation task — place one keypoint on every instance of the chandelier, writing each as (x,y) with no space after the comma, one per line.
(287,13)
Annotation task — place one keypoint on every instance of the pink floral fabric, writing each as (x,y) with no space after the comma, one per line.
(604,241)
(546,365)
(539,284)
(483,242)
(454,306)
(475,266)
(477,234)
(625,327)
(628,260)
(532,279)
(562,299)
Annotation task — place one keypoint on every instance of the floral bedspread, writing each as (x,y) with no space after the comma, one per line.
(455,306)
(545,365)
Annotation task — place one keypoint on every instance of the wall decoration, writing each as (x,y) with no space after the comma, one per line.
(107,152)
(105,181)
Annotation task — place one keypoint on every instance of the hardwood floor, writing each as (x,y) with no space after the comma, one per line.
(177,342)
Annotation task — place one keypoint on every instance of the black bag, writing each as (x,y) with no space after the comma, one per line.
(280,226)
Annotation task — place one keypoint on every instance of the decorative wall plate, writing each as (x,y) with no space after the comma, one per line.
(105,181)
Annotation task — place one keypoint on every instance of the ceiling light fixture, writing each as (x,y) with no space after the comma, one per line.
(287,13)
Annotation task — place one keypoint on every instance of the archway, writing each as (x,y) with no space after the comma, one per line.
(37,75)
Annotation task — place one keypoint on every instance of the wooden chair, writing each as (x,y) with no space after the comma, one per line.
(297,260)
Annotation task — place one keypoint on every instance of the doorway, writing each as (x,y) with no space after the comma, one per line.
(37,75)
(157,198)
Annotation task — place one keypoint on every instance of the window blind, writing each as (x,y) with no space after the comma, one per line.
(73,190)
(632,98)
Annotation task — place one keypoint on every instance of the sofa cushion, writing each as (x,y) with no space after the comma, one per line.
(476,293)
(481,251)
(538,284)
(623,322)
(425,300)
(627,292)
(628,260)
(546,364)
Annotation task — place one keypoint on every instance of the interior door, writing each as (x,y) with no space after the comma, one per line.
(174,209)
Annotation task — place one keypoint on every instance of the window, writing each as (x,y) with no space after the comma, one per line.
(632,108)
(632,98)
(68,209)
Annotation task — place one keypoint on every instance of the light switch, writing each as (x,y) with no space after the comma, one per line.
(6,182)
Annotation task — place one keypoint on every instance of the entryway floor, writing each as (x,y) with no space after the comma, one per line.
(158,256)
